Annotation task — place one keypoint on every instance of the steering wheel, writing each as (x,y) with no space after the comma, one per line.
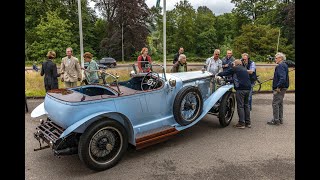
(151,79)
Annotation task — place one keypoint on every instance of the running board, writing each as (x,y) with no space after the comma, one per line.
(154,136)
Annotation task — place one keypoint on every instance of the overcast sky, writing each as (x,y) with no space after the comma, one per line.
(217,6)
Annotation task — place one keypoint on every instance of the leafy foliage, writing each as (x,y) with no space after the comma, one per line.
(131,15)
(53,33)
(253,9)
(205,30)
(253,26)
(259,41)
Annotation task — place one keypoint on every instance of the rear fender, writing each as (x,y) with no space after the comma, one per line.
(81,126)
(39,111)
(208,104)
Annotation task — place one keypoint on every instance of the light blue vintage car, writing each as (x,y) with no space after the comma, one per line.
(98,121)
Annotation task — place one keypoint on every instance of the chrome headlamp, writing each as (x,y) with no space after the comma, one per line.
(220,81)
(172,82)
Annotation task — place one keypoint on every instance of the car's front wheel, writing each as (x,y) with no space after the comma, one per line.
(103,144)
(226,108)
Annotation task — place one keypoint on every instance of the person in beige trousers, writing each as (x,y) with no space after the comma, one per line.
(70,69)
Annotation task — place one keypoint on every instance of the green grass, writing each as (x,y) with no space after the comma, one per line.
(267,73)
(34,84)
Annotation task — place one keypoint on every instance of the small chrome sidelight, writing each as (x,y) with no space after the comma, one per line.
(132,73)
(172,82)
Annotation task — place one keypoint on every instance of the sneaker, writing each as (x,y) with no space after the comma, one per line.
(248,125)
(239,126)
(273,122)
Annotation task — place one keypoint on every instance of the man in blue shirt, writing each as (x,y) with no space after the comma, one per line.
(280,85)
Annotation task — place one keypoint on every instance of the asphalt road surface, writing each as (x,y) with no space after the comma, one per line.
(204,151)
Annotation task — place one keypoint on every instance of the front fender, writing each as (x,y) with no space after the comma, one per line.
(87,119)
(208,104)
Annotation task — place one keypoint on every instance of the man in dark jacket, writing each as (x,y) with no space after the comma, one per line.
(242,86)
(176,56)
(49,70)
(279,86)
(227,61)
(180,65)
(227,64)
(251,69)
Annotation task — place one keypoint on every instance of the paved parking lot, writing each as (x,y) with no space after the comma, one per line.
(204,151)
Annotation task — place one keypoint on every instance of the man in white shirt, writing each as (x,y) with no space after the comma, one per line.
(214,63)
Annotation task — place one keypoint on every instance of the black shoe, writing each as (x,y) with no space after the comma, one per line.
(281,121)
(273,122)
(239,126)
(248,125)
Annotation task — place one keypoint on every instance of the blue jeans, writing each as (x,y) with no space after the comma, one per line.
(250,95)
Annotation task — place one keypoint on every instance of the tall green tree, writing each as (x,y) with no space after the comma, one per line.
(253,9)
(285,18)
(34,11)
(185,23)
(66,9)
(132,16)
(155,25)
(259,41)
(53,33)
(206,34)
(100,32)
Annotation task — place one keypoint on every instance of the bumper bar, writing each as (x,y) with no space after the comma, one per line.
(48,132)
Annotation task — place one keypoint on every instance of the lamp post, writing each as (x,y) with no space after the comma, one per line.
(278,40)
(80,33)
(122,42)
(164,36)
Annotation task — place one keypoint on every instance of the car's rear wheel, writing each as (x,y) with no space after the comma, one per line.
(226,108)
(103,144)
(187,105)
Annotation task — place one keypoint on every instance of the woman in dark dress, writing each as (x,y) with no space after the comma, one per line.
(49,70)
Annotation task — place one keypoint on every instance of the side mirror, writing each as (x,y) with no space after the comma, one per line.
(134,69)
(205,66)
